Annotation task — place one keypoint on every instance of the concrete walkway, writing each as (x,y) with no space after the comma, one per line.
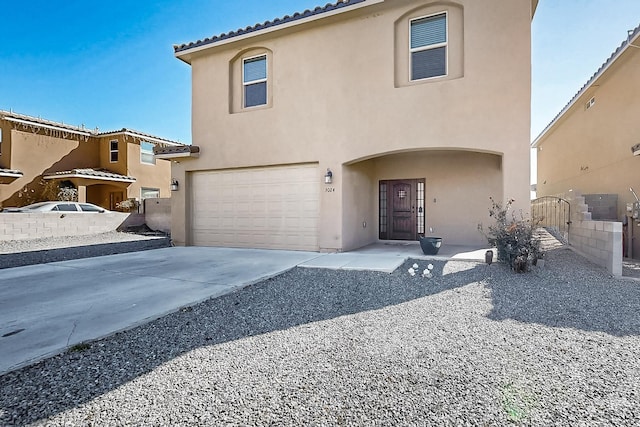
(386,257)
(47,308)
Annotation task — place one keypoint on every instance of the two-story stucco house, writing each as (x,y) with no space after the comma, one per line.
(105,168)
(593,144)
(357,122)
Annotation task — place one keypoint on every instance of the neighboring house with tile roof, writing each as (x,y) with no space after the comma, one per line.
(593,145)
(105,168)
(357,122)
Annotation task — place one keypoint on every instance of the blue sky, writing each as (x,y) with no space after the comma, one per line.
(111,64)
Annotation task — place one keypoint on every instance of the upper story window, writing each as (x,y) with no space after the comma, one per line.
(146,153)
(113,151)
(254,81)
(428,47)
(0,141)
(251,80)
(429,44)
(590,103)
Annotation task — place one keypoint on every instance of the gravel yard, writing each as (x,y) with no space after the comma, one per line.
(474,345)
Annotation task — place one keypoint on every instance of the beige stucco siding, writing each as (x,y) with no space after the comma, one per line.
(334,94)
(156,175)
(589,150)
(458,185)
(35,154)
(336,99)
(5,146)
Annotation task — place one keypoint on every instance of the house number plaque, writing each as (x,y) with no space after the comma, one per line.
(330,190)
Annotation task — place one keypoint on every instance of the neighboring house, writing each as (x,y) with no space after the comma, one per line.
(105,168)
(592,144)
(357,122)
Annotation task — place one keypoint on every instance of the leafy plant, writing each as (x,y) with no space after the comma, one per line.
(513,236)
(79,347)
(68,194)
(127,205)
(44,190)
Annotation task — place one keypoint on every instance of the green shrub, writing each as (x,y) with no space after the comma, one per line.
(513,236)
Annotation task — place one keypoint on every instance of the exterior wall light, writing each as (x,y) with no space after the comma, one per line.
(328,177)
(636,150)
(174,184)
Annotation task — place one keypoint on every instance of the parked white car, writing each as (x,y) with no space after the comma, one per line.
(58,206)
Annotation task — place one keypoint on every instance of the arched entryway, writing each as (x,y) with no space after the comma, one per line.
(404,195)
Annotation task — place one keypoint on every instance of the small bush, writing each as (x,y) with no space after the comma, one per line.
(79,347)
(127,205)
(513,236)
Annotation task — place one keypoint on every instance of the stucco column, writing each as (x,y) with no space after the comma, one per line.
(180,206)
(82,193)
(330,221)
(516,180)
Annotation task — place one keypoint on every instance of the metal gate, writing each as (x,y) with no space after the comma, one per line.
(554,214)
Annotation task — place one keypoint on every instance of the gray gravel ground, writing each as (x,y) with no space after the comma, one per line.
(17,253)
(474,345)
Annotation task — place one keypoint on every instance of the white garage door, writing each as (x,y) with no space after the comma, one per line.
(274,208)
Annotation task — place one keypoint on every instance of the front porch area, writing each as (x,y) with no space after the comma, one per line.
(388,256)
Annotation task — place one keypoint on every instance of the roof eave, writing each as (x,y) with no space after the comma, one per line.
(185,55)
(182,152)
(170,156)
(595,78)
(47,126)
(92,177)
(11,174)
(148,138)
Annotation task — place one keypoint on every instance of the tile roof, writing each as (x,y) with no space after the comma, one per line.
(140,135)
(8,115)
(90,173)
(10,173)
(185,150)
(612,58)
(28,120)
(268,24)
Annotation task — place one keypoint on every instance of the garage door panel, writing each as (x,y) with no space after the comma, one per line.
(262,208)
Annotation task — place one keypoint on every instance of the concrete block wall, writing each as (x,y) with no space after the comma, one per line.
(602,206)
(598,241)
(22,226)
(157,213)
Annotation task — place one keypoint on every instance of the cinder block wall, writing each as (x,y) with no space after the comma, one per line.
(603,207)
(598,241)
(22,226)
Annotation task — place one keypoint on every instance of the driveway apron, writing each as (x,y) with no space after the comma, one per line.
(44,309)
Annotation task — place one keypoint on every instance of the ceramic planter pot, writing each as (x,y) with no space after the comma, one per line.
(430,245)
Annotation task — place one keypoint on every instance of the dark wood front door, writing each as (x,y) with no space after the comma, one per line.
(403,218)
(400,207)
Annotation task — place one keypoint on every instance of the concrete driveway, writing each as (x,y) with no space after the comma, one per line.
(46,308)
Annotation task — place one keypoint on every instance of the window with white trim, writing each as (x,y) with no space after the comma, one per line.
(254,81)
(590,103)
(0,141)
(428,47)
(146,153)
(113,151)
